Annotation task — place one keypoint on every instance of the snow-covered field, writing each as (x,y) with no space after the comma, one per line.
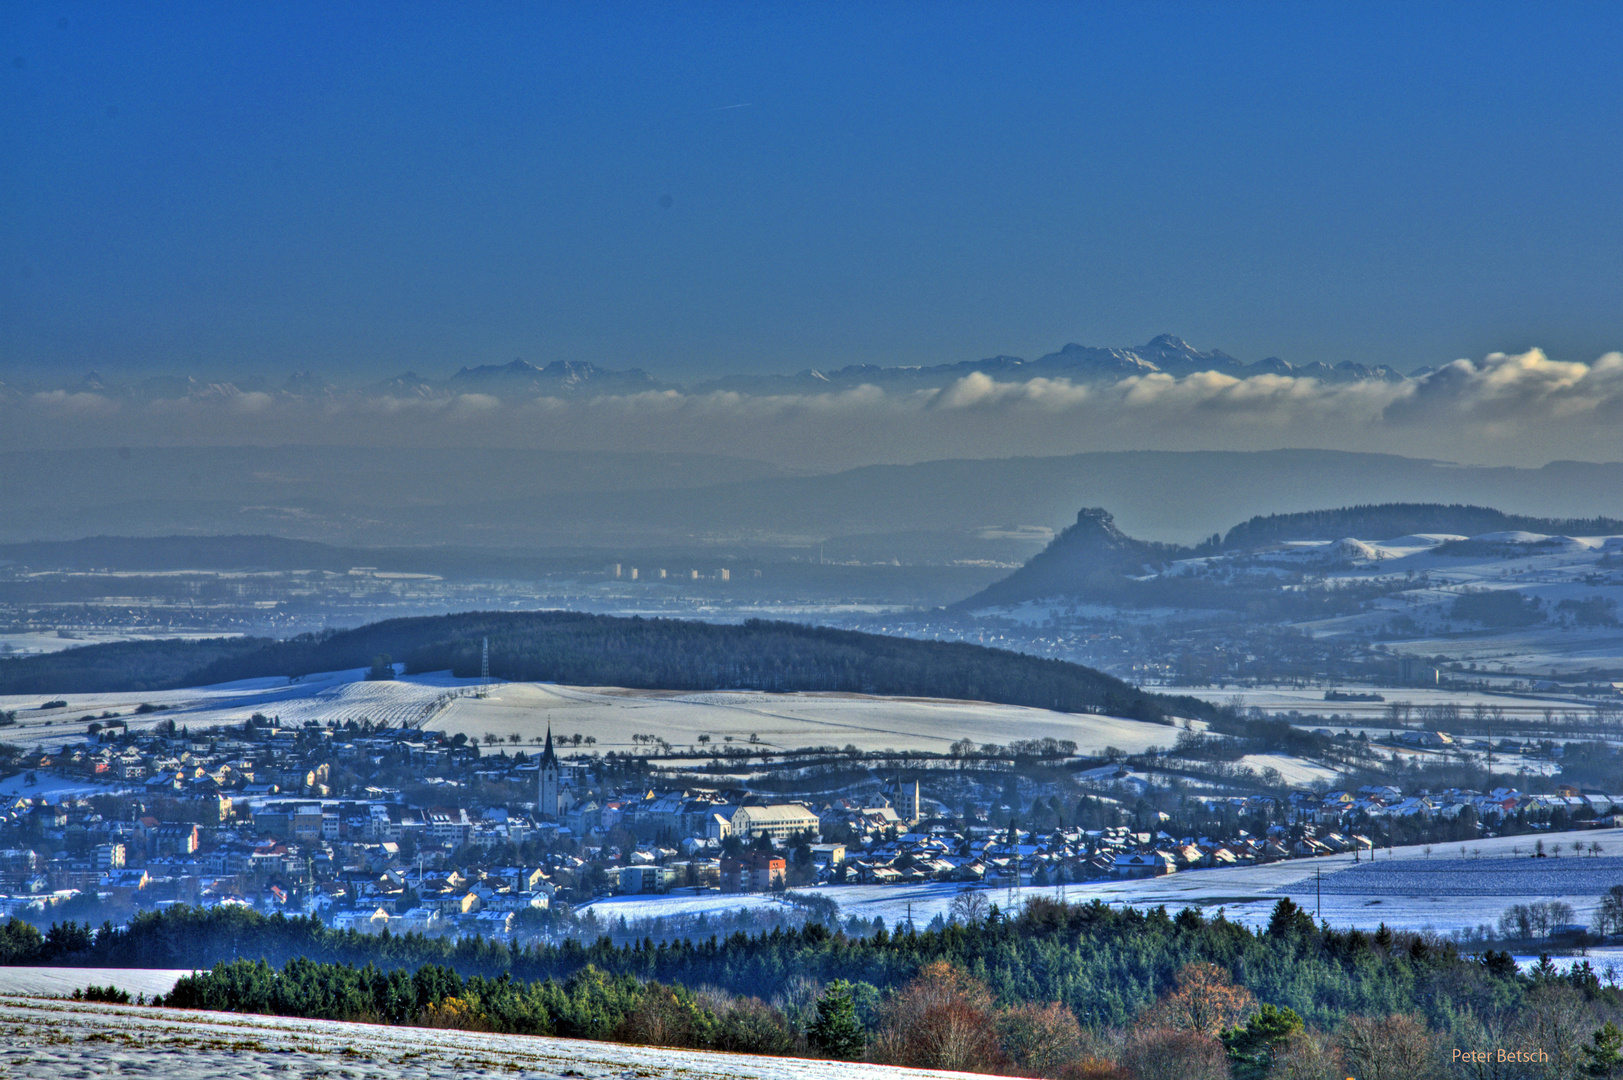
(1434,574)
(55,788)
(1286,698)
(687,905)
(332,695)
(63,981)
(36,642)
(1295,770)
(1546,650)
(611,716)
(56,1040)
(1575,583)
(779,721)
(1408,889)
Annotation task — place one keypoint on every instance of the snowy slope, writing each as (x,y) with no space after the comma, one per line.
(611,715)
(63,981)
(55,1040)
(780,721)
(331,695)
(1414,582)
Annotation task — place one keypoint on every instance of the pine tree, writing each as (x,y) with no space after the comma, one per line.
(1606,1055)
(837,1032)
(1251,1048)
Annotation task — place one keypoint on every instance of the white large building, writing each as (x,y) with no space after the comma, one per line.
(780,821)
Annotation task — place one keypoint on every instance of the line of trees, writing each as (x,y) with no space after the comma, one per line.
(600,650)
(589,1004)
(1104,965)
(1204,1026)
(1071,992)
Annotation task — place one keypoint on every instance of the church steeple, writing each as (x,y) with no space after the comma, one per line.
(548,781)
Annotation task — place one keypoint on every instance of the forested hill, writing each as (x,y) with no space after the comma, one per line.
(1387,521)
(600,650)
(1096,561)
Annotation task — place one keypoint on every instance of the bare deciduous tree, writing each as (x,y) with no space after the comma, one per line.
(1388,1048)
(969,906)
(1156,1053)
(1308,1055)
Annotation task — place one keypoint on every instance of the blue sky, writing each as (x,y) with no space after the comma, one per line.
(222,189)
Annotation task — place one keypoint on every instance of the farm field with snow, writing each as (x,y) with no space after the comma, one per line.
(332,695)
(1311,700)
(1407,889)
(63,981)
(1508,604)
(1570,584)
(35,642)
(56,1040)
(612,716)
(780,721)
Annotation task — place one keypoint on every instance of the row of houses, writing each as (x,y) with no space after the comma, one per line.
(1491,807)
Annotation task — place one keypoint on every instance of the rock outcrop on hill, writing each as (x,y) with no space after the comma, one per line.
(1089,553)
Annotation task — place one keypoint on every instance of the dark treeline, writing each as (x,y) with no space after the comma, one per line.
(120,665)
(600,650)
(1105,965)
(587,1005)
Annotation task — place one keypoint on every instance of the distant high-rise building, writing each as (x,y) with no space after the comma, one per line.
(547,796)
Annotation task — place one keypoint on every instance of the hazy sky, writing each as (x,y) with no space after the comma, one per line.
(361,189)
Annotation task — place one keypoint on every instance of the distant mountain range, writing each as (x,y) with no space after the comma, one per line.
(579,378)
(1078,363)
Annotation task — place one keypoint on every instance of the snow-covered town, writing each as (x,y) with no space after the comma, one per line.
(414,830)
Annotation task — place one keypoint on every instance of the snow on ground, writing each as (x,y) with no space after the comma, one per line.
(779,721)
(1425,576)
(54,788)
(1541,649)
(1453,892)
(331,695)
(674,905)
(611,715)
(36,642)
(1294,770)
(63,981)
(1445,891)
(1606,960)
(1311,700)
(56,1040)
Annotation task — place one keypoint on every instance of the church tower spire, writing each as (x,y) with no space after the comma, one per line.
(547,796)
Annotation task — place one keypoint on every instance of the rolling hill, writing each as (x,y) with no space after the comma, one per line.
(598,650)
